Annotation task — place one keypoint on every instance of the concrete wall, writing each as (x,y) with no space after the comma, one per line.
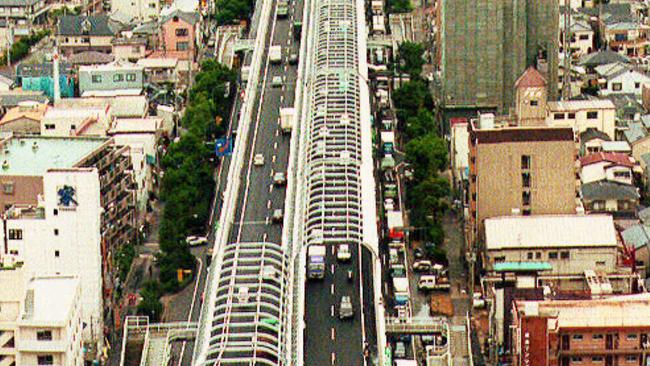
(108,81)
(171,40)
(605,121)
(26,190)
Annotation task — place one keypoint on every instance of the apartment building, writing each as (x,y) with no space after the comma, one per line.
(40,322)
(610,331)
(24,15)
(525,170)
(116,78)
(79,33)
(68,210)
(571,244)
(582,115)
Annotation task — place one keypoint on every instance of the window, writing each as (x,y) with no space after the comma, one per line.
(600,263)
(538,255)
(597,336)
(15,234)
(8,187)
(13,252)
(621,174)
(530,255)
(637,85)
(181,32)
(584,37)
(49,126)
(118,78)
(526,212)
(564,255)
(631,359)
(534,103)
(56,232)
(576,359)
(598,205)
(46,360)
(572,115)
(152,5)
(182,46)
(500,259)
(592,115)
(525,180)
(55,212)
(558,115)
(57,253)
(130,77)
(525,198)
(577,337)
(525,162)
(617,86)
(597,359)
(135,49)
(631,336)
(44,335)
(552,255)
(73,127)
(96,79)
(623,205)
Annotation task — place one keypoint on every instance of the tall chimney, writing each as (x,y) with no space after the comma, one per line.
(55,75)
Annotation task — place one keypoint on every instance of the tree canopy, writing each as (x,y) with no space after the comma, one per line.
(411,58)
(427,155)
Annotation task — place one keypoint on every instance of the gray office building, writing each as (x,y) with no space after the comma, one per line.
(485,45)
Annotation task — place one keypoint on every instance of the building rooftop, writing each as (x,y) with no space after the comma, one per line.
(617,311)
(158,62)
(549,231)
(531,78)
(121,106)
(53,299)
(115,65)
(136,125)
(30,110)
(602,58)
(611,71)
(612,157)
(6,3)
(93,25)
(12,99)
(33,156)
(637,236)
(635,132)
(616,146)
(111,93)
(90,58)
(606,190)
(577,105)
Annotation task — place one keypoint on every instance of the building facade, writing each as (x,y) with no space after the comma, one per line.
(79,33)
(486,44)
(612,331)
(118,78)
(584,114)
(526,170)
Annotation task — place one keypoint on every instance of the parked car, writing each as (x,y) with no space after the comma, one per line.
(343,252)
(400,350)
(346,310)
(196,240)
(258,160)
(277,81)
(293,59)
(422,265)
(418,253)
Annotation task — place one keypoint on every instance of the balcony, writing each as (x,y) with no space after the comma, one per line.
(41,346)
(600,351)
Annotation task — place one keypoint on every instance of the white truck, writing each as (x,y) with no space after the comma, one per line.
(401,290)
(287,119)
(394,219)
(275,54)
(245,71)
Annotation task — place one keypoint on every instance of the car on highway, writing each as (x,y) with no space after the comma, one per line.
(278,215)
(293,59)
(422,265)
(258,160)
(277,81)
(193,240)
(346,311)
(343,252)
(279,178)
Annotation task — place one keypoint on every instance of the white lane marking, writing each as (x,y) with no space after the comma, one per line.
(268,204)
(332,289)
(272,172)
(275,145)
(333,358)
(189,314)
(286,68)
(266,220)
(332,269)
(282,96)
(289,42)
(264,237)
(277,132)
(333,333)
(274,157)
(332,310)
(271,187)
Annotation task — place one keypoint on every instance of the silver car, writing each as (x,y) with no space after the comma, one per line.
(345,308)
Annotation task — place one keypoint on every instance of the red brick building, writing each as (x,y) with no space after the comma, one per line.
(609,332)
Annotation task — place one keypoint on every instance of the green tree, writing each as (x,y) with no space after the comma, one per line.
(150,304)
(427,155)
(410,98)
(411,58)
(421,124)
(399,6)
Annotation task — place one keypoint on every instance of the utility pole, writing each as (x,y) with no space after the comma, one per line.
(10,40)
(566,45)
